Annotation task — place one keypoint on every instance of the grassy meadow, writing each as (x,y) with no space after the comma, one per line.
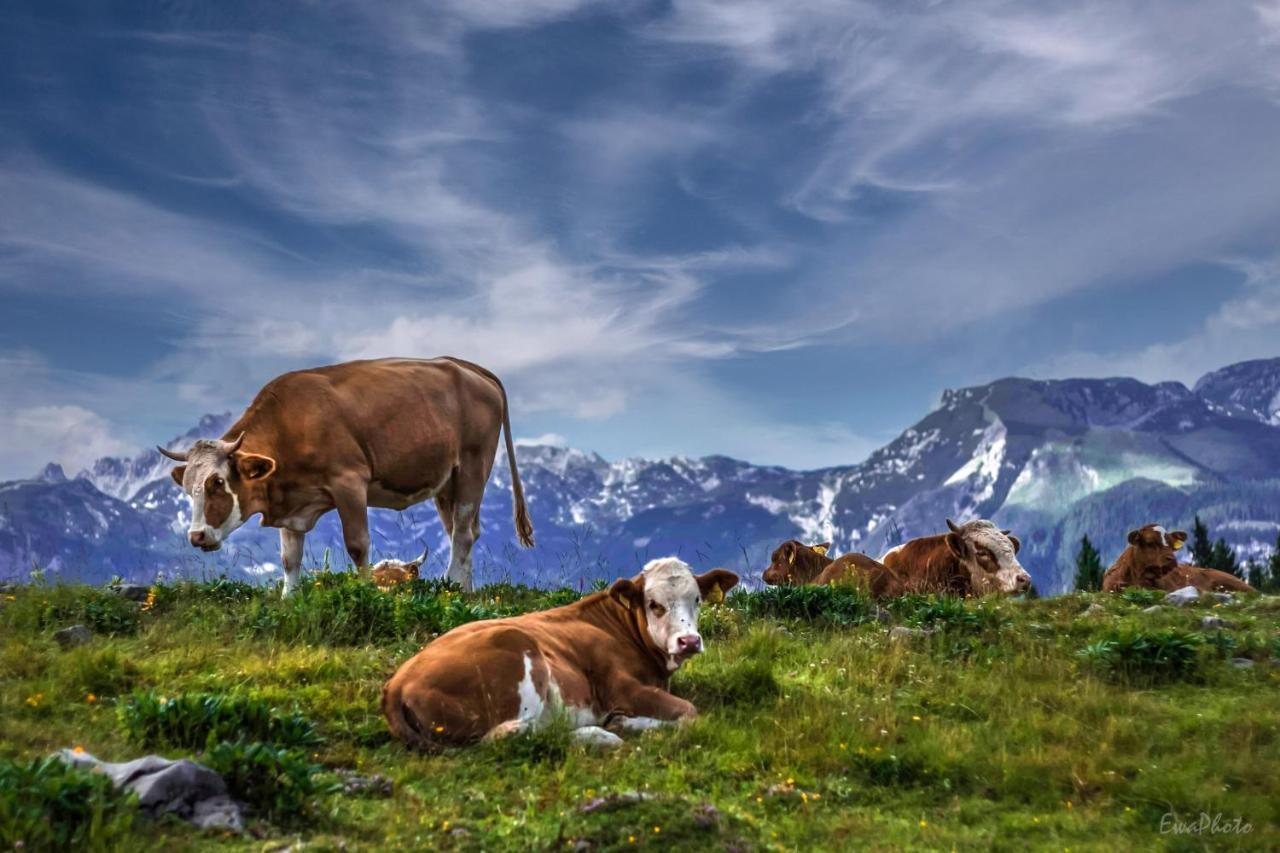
(1008,725)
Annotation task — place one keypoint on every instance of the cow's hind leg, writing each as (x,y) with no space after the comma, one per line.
(291,558)
(468,491)
(353,511)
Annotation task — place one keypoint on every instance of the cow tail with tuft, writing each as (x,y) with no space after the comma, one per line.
(523,525)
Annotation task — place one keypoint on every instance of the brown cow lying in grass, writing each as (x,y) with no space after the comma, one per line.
(975,558)
(796,564)
(392,572)
(606,659)
(1150,562)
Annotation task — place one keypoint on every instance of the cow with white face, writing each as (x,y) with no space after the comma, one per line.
(214,481)
(387,433)
(975,558)
(604,662)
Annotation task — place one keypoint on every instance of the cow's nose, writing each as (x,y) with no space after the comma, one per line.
(689,644)
(1023,583)
(197,538)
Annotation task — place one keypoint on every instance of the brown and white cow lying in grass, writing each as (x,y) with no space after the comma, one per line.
(976,558)
(603,660)
(796,564)
(392,572)
(1150,562)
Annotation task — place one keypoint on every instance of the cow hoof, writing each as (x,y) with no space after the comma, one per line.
(594,736)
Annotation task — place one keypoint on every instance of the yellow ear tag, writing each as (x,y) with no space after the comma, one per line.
(791,561)
(1178,543)
(819,549)
(716,595)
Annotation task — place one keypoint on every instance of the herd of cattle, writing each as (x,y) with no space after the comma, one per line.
(394,432)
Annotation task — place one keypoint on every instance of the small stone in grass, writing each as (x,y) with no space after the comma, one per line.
(902,632)
(1180,597)
(1213,623)
(131,591)
(76,635)
(1242,663)
(1155,608)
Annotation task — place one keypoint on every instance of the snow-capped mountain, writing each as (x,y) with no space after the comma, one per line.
(1051,459)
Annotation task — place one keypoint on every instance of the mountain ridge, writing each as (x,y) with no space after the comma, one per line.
(1035,455)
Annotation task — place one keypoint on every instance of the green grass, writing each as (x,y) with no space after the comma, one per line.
(1014,725)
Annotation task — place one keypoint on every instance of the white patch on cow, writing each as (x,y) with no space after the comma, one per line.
(669,584)
(895,549)
(531,704)
(1164,538)
(596,736)
(987,535)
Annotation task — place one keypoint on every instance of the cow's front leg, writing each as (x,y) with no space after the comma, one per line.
(639,707)
(291,558)
(353,511)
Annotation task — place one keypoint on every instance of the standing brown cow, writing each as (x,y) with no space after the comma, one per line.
(387,433)
(1150,562)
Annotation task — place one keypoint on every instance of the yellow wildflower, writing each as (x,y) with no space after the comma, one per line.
(91,698)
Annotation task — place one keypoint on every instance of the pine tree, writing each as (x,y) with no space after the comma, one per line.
(1201,547)
(1273,569)
(1088,567)
(1224,558)
(1256,575)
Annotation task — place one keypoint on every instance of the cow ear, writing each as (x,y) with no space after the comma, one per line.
(821,549)
(1133,536)
(955,544)
(251,466)
(627,591)
(178,473)
(1017,545)
(1179,538)
(714,584)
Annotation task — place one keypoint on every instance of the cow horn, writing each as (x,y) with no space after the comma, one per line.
(172,454)
(229,447)
(952,526)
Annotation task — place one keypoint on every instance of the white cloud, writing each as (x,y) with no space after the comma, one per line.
(72,436)
(547,439)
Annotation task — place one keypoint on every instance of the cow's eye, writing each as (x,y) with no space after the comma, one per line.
(657,608)
(216,482)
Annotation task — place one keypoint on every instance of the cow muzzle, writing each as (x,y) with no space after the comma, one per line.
(687,646)
(205,540)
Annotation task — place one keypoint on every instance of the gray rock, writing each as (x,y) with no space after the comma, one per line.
(881,615)
(1242,663)
(76,635)
(1094,609)
(902,632)
(1155,608)
(1183,597)
(184,788)
(375,785)
(1224,597)
(131,591)
(1213,623)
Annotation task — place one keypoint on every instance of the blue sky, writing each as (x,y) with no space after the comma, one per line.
(773,230)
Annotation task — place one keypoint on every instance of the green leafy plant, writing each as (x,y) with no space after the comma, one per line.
(946,612)
(1142,597)
(1166,655)
(192,720)
(46,804)
(277,783)
(747,681)
(836,605)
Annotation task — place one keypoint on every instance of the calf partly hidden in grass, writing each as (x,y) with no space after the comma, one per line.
(603,662)
(975,558)
(796,564)
(392,572)
(1151,562)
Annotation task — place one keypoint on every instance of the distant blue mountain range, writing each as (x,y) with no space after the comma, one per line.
(1051,459)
